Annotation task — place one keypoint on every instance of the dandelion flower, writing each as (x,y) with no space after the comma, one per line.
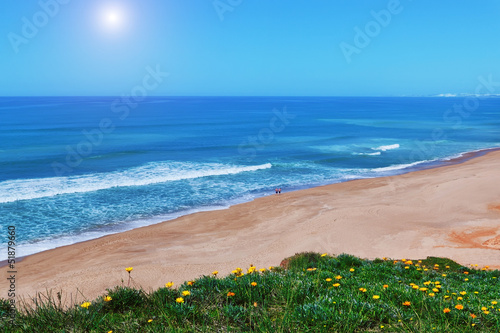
(169,284)
(262,270)
(230,294)
(376,297)
(336,285)
(150,320)
(328,279)
(311,269)
(423,289)
(459,307)
(473,315)
(486,312)
(351,270)
(446,310)
(179,300)
(107,298)
(363,290)
(459,298)
(253,284)
(324,255)
(432,294)
(338,277)
(255,304)
(463,293)
(385,286)
(129,269)
(215,273)
(406,303)
(494,302)
(186,293)
(466,279)
(190,283)
(85,305)
(484,308)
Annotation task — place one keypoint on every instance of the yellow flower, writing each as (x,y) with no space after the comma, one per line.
(459,307)
(338,277)
(107,298)
(426,283)
(473,315)
(253,284)
(406,303)
(230,294)
(446,310)
(324,255)
(336,285)
(150,320)
(169,284)
(484,308)
(215,272)
(190,283)
(385,286)
(444,275)
(463,293)
(459,298)
(328,279)
(129,269)
(85,305)
(363,290)
(271,267)
(255,304)
(466,279)
(494,302)
(415,286)
(311,269)
(262,270)
(376,296)
(186,293)
(432,294)
(351,270)
(486,312)
(407,267)
(179,300)
(423,289)
(436,290)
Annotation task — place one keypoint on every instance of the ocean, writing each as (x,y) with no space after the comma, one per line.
(77,168)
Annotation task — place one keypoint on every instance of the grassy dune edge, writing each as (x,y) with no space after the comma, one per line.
(308,292)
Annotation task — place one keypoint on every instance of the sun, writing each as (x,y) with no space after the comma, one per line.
(113,18)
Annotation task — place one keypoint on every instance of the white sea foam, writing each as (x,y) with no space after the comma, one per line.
(368,154)
(388,147)
(152,173)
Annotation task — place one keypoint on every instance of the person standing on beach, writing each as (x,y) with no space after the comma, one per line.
(279,190)
(276,190)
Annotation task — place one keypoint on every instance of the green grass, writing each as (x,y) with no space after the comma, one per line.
(298,297)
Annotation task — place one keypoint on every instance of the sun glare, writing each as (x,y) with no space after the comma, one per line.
(113,18)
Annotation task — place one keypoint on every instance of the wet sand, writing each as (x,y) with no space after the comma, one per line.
(451,211)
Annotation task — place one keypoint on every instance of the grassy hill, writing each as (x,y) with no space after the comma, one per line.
(308,292)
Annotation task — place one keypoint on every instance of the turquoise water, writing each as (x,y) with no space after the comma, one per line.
(77,168)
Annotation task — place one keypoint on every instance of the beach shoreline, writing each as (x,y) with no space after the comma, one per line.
(449,210)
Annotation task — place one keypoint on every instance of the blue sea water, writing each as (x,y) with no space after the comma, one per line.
(76,168)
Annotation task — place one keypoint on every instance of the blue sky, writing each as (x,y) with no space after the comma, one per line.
(248,47)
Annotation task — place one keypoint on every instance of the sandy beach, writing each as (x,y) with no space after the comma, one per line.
(451,211)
